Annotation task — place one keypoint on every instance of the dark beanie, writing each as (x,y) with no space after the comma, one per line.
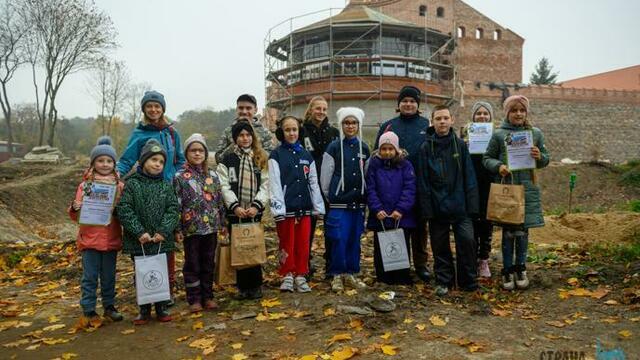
(103,147)
(241,124)
(155,96)
(150,148)
(409,91)
(247,98)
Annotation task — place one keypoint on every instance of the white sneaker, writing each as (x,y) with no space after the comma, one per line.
(301,284)
(336,284)
(441,290)
(507,281)
(483,269)
(287,283)
(351,281)
(522,281)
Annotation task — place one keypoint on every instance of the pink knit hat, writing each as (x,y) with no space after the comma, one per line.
(512,100)
(390,138)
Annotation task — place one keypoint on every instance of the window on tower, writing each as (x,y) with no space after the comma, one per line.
(423,10)
(440,12)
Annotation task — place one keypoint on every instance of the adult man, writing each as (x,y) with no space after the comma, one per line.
(246,108)
(411,129)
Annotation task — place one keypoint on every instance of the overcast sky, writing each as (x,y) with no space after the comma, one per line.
(203,53)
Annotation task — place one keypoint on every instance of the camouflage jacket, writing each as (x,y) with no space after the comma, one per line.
(225,144)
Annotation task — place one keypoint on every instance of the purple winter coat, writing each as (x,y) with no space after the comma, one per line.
(390,188)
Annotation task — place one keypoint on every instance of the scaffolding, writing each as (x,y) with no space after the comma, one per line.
(351,54)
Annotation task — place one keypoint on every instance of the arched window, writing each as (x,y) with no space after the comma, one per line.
(479,33)
(423,10)
(497,35)
(461,31)
(440,12)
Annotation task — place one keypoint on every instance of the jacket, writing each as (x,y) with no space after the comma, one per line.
(483,176)
(390,187)
(496,155)
(447,188)
(96,237)
(225,143)
(200,202)
(229,171)
(168,136)
(316,140)
(412,132)
(294,192)
(352,195)
(148,205)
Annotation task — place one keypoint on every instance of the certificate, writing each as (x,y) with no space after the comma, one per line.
(97,204)
(479,136)
(519,144)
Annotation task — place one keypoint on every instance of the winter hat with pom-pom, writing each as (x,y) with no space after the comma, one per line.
(103,147)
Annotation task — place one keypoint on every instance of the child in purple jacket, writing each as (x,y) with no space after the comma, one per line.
(391,193)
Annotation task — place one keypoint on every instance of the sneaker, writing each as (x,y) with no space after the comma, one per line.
(161,313)
(210,304)
(507,280)
(255,293)
(522,281)
(144,316)
(353,282)
(301,284)
(287,283)
(336,284)
(441,290)
(195,307)
(110,312)
(423,273)
(483,269)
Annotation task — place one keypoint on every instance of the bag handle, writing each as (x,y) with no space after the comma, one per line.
(142,247)
(396,226)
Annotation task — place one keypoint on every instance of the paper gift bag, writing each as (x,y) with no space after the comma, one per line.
(247,245)
(225,274)
(393,250)
(506,204)
(152,279)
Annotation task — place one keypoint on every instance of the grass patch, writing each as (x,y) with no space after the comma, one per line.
(15,257)
(620,253)
(634,205)
(630,173)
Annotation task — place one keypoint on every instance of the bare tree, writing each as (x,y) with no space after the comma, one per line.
(12,33)
(108,85)
(66,36)
(98,88)
(134,95)
(118,81)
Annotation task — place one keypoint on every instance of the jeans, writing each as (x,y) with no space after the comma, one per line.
(514,239)
(344,228)
(98,266)
(465,270)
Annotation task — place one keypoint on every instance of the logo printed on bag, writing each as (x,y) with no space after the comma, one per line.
(246,232)
(152,280)
(393,250)
(505,191)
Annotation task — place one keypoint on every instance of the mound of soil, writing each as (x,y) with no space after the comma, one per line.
(613,227)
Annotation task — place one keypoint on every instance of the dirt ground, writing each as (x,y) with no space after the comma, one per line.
(583,298)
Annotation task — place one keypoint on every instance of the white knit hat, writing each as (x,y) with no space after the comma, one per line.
(357,114)
(199,138)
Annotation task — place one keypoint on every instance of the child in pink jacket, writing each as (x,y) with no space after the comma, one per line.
(99,244)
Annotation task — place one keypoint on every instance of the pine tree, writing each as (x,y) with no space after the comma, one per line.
(543,74)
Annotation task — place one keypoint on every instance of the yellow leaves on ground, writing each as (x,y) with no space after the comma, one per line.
(54,327)
(13,324)
(421,327)
(196,315)
(205,344)
(127,331)
(437,321)
(16,343)
(388,349)
(246,332)
(269,303)
(344,353)
(340,337)
(472,346)
(351,292)
(599,293)
(309,357)
(610,320)
(501,312)
(239,356)
(408,321)
(329,312)
(558,324)
(572,281)
(386,336)
(52,341)
(183,338)
(53,319)
(356,324)
(265,315)
(625,333)
(68,356)
(236,346)
(197,325)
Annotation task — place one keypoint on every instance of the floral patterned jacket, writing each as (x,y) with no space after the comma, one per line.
(202,210)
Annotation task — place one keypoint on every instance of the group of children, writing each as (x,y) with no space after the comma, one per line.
(317,170)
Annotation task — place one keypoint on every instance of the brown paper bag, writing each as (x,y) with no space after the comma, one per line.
(506,204)
(247,245)
(225,274)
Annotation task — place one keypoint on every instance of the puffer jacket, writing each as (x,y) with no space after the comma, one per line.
(412,132)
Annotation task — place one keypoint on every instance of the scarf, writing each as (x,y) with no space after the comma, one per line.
(247,181)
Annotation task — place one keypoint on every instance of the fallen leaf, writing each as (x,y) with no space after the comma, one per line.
(437,321)
(53,319)
(501,313)
(239,356)
(277,316)
(356,324)
(209,350)
(610,320)
(32,347)
(421,327)
(408,321)
(344,353)
(299,314)
(269,303)
(386,336)
(52,341)
(309,357)
(54,327)
(246,332)
(236,346)
(201,343)
(183,338)
(95,322)
(127,331)
(556,323)
(611,302)
(531,317)
(196,315)
(16,343)
(351,292)
(197,326)
(262,317)
(388,349)
(635,319)
(279,328)
(68,356)
(329,312)
(572,281)
(340,337)
(625,333)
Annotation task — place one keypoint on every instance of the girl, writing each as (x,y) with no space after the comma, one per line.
(149,215)
(481,112)
(391,194)
(295,197)
(99,244)
(245,189)
(202,216)
(517,109)
(343,185)
(155,125)
(318,134)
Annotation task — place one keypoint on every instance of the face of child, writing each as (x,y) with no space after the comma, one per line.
(290,129)
(442,121)
(245,110)
(350,127)
(153,111)
(482,115)
(104,165)
(517,115)
(319,111)
(196,154)
(387,151)
(154,165)
(244,139)
(408,106)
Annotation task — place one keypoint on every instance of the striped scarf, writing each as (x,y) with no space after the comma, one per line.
(247,181)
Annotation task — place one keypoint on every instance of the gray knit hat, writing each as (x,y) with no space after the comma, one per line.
(152,147)
(103,147)
(480,104)
(155,96)
(199,138)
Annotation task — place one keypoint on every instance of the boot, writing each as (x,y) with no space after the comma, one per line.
(483,268)
(144,316)
(161,312)
(522,281)
(508,279)
(113,314)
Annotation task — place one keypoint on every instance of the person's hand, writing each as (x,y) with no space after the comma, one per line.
(76,205)
(145,238)
(504,170)
(251,212)
(396,215)
(179,237)
(535,153)
(158,238)
(240,212)
(381,215)
(224,232)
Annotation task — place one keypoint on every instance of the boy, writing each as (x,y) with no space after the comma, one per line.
(448,195)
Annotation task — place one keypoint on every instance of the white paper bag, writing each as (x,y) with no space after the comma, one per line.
(393,250)
(152,279)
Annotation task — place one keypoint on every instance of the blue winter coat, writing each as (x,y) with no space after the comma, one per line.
(167,136)
(390,187)
(447,187)
(412,132)
(353,195)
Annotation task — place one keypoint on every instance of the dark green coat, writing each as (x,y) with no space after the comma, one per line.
(496,155)
(147,205)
